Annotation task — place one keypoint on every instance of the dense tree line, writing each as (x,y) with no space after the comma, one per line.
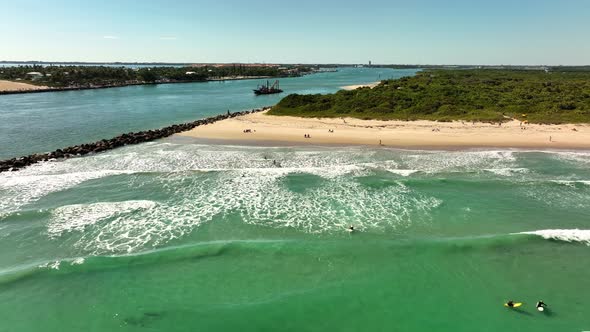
(76,76)
(445,95)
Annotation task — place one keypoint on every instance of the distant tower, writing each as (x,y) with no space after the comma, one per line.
(369,63)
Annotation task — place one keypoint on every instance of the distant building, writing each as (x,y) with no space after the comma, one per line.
(190,73)
(34,75)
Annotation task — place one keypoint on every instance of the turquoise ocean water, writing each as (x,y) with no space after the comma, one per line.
(184,236)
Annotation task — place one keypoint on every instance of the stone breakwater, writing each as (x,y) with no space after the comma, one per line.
(115,142)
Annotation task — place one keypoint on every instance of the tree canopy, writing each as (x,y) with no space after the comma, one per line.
(81,76)
(446,95)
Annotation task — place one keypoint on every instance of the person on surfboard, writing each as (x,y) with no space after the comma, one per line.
(510,304)
(541,305)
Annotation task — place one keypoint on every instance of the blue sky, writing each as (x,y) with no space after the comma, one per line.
(302,31)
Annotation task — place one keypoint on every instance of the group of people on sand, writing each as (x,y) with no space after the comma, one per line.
(541,306)
(307,136)
(248,131)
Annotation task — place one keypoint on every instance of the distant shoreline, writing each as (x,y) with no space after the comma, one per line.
(421,134)
(5,88)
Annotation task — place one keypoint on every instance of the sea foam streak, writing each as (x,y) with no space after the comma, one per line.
(76,217)
(568,235)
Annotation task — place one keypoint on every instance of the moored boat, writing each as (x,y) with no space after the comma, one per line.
(268,89)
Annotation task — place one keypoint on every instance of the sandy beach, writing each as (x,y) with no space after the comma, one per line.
(401,134)
(353,87)
(16,86)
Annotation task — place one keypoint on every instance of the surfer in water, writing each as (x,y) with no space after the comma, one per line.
(510,304)
(541,305)
(350,228)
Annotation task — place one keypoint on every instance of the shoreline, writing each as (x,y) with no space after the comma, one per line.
(421,134)
(184,139)
(41,89)
(15,86)
(356,86)
(115,142)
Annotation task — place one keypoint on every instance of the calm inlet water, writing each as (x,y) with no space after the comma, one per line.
(33,123)
(173,236)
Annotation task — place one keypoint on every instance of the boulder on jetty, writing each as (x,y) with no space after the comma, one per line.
(115,142)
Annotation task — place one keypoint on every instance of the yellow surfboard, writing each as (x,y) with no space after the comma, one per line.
(516,305)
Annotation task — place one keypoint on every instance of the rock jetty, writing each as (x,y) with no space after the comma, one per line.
(115,142)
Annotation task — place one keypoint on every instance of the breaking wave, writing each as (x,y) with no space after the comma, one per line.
(567,235)
(199,183)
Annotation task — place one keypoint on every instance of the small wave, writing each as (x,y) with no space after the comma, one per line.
(403,172)
(568,235)
(446,161)
(78,261)
(574,157)
(508,171)
(572,183)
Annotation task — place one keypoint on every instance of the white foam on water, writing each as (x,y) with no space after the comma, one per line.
(571,156)
(403,172)
(78,216)
(249,182)
(327,207)
(20,188)
(78,261)
(568,235)
(51,265)
(508,171)
(572,183)
(458,161)
(259,196)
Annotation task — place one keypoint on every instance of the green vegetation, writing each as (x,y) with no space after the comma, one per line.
(446,95)
(86,76)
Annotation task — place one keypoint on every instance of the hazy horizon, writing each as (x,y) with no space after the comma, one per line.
(422,32)
(286,63)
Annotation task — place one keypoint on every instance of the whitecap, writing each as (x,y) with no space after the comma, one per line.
(403,172)
(568,235)
(508,171)
(572,183)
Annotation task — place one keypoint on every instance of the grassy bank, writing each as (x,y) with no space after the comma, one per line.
(446,95)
